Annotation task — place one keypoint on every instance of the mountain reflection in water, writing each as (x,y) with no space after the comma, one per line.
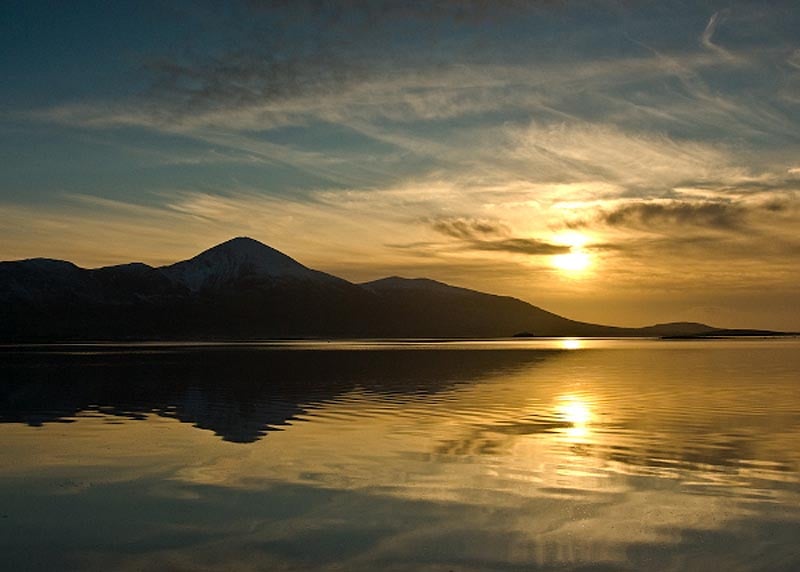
(409,456)
(239,394)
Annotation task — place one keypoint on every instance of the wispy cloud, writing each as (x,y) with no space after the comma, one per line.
(529,246)
(468,228)
(247,95)
(707,36)
(647,215)
(493,236)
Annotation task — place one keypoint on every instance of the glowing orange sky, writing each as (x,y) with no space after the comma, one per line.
(466,155)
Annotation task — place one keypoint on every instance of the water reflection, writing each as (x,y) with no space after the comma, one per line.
(239,394)
(576,411)
(656,456)
(571,344)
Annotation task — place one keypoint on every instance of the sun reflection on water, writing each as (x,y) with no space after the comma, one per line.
(576,411)
(571,344)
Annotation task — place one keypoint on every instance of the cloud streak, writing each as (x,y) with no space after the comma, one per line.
(493,236)
(708,35)
(471,229)
(529,246)
(706,214)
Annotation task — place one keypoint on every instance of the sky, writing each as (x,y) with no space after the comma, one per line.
(619,162)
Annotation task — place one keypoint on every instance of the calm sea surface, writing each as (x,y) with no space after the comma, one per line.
(462,456)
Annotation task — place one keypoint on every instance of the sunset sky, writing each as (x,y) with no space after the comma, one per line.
(619,162)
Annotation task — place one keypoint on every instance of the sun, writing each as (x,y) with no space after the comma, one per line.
(577,259)
(571,238)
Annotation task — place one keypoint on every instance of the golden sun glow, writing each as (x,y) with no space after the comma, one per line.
(572,239)
(576,260)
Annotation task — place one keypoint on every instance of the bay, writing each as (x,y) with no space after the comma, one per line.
(556,454)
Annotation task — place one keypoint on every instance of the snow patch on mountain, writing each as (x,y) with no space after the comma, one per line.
(237,259)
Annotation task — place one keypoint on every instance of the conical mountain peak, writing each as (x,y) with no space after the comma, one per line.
(242,243)
(245,248)
(235,259)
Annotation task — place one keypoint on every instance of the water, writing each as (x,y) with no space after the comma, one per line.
(515,455)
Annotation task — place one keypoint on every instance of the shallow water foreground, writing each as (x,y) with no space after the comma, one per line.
(510,455)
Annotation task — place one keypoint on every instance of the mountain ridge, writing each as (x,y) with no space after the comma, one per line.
(243,288)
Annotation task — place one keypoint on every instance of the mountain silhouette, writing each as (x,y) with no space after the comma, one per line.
(244,289)
(240,260)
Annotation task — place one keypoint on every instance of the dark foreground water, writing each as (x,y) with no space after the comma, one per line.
(519,455)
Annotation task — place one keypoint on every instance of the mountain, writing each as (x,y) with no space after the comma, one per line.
(241,260)
(245,289)
(441,310)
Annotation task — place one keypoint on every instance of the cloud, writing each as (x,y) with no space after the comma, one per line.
(492,236)
(261,88)
(530,246)
(245,93)
(706,38)
(467,228)
(585,151)
(350,63)
(244,78)
(767,212)
(748,186)
(305,49)
(715,215)
(794,59)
